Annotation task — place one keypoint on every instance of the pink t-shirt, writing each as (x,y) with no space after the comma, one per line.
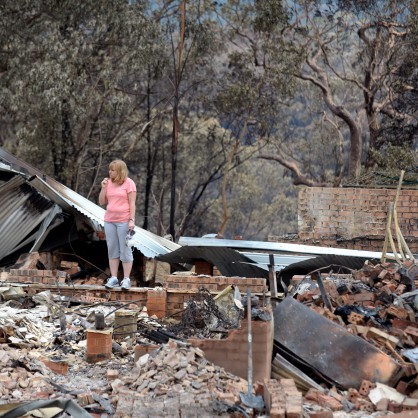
(117,209)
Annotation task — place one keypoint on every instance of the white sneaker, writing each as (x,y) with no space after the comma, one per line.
(112,282)
(126,283)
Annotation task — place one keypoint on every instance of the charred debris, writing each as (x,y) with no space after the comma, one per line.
(338,339)
(342,343)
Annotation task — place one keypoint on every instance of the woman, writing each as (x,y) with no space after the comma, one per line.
(118,193)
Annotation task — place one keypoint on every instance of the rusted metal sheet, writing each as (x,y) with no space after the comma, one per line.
(326,346)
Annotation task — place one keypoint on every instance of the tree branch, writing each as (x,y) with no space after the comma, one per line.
(298,177)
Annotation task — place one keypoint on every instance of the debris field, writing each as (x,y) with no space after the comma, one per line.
(114,357)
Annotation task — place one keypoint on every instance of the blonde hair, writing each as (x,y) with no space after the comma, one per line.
(121,171)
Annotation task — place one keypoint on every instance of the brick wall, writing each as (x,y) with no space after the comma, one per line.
(181,288)
(214,283)
(231,353)
(354,217)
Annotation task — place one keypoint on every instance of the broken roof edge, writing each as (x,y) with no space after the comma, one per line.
(278,247)
(148,243)
(229,262)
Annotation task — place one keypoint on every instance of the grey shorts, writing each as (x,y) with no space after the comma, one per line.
(116,241)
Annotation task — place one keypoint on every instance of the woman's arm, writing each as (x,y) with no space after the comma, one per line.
(102,195)
(132,208)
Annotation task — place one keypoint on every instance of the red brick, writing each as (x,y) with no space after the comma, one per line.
(60,367)
(323,400)
(410,404)
(85,399)
(365,387)
(321,414)
(99,345)
(404,414)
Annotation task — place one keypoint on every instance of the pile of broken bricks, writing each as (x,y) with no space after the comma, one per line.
(378,303)
(177,380)
(174,380)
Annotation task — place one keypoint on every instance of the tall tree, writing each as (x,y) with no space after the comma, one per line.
(188,29)
(178,69)
(399,135)
(69,81)
(347,52)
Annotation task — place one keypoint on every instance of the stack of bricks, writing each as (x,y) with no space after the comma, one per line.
(181,288)
(99,345)
(176,302)
(70,267)
(48,277)
(215,283)
(138,295)
(157,302)
(282,398)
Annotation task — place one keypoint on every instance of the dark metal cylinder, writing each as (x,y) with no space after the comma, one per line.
(99,320)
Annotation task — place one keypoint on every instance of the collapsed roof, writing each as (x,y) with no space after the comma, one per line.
(37,213)
(228,261)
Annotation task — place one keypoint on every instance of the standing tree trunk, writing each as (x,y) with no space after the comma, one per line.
(148,182)
(175,135)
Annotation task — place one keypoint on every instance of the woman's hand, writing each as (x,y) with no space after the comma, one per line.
(104,182)
(131,224)
(102,194)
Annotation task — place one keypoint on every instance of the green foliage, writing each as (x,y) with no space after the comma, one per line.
(396,158)
(270,15)
(69,76)
(82,83)
(261,202)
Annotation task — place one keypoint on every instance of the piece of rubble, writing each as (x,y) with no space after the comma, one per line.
(166,379)
(329,348)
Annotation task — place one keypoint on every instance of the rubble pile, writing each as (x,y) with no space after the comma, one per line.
(175,380)
(378,303)
(44,349)
(29,375)
(21,374)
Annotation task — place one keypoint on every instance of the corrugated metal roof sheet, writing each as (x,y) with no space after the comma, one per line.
(262,260)
(273,247)
(149,244)
(22,210)
(229,262)
(289,259)
(331,262)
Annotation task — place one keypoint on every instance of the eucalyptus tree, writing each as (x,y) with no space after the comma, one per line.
(243,101)
(399,136)
(208,91)
(69,81)
(262,204)
(348,52)
(202,160)
(188,29)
